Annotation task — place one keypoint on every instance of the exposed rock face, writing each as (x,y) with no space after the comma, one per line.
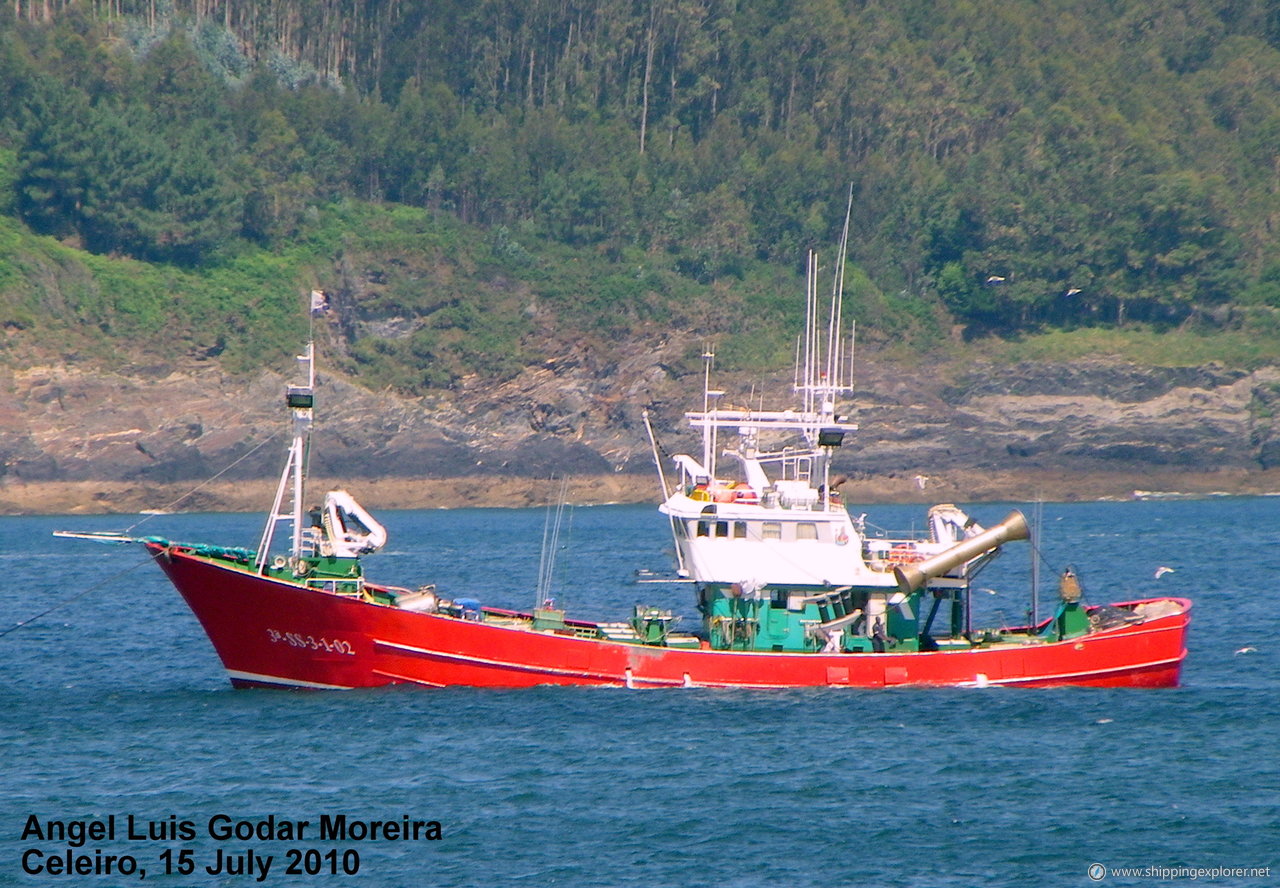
(1092,415)
(581,414)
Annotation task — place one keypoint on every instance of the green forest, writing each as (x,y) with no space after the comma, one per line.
(467,179)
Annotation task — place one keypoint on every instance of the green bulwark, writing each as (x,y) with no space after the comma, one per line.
(806,621)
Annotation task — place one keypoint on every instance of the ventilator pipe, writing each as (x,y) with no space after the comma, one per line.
(912,576)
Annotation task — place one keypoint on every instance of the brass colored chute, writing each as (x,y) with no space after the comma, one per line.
(912,576)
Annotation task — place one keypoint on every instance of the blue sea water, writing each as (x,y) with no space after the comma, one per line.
(117,705)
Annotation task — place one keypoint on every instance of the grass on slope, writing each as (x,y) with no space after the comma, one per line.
(488,302)
(1253,344)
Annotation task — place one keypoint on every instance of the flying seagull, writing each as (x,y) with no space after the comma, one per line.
(1162,570)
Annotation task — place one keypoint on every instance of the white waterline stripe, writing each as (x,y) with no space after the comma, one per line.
(501,664)
(418,681)
(1127,668)
(285,682)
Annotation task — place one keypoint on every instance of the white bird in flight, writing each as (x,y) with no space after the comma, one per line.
(1162,570)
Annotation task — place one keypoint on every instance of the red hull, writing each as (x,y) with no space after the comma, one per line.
(273,633)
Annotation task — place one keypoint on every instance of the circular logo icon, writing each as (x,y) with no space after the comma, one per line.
(1097,872)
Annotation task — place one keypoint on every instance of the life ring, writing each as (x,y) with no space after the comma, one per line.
(842,537)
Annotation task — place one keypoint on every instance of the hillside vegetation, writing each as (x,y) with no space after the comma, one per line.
(477,183)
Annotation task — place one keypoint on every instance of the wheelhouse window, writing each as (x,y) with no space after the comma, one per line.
(806,530)
(771,530)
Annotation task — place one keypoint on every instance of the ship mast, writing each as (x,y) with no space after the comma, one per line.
(301,402)
(823,374)
(710,398)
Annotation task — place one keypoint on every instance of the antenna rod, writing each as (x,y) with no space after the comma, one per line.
(1036,523)
(841,261)
(808,327)
(708,432)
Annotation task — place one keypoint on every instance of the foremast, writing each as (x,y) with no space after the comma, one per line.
(300,400)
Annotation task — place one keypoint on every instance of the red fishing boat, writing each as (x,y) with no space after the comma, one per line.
(284,633)
(791,590)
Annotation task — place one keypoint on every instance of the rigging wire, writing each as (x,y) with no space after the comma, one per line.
(1038,553)
(98,585)
(74,598)
(311,325)
(263,443)
(662,447)
(567,545)
(551,543)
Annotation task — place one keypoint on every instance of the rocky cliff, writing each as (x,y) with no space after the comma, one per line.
(580,415)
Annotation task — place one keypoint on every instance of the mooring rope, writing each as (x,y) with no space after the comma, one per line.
(74,598)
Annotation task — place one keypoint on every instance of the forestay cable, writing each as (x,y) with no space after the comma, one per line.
(74,598)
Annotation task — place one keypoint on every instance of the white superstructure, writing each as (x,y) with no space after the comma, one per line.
(759,508)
